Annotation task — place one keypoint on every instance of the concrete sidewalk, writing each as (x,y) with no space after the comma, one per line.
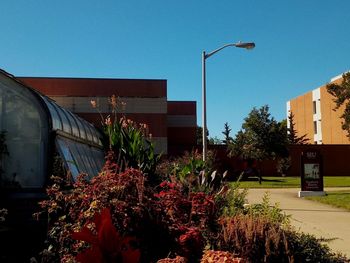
(311,217)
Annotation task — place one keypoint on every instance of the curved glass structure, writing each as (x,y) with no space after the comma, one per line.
(34,126)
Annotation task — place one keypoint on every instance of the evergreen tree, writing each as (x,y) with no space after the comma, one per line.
(292,136)
(226,133)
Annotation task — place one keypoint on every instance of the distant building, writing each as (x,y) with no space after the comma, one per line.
(314,115)
(171,123)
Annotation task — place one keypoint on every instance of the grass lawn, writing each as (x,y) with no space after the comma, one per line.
(292,182)
(338,199)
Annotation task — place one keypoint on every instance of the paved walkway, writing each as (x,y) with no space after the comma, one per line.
(311,217)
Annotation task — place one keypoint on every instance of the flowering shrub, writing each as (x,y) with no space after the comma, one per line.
(178,259)
(190,218)
(211,256)
(72,211)
(256,238)
(131,142)
(155,223)
(120,217)
(193,173)
(106,244)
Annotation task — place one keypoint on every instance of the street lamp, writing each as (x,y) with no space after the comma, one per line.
(204,98)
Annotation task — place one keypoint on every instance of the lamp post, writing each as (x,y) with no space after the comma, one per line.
(204,96)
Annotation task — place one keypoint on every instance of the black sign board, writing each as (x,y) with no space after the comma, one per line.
(311,171)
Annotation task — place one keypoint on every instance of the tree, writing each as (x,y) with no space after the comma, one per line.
(199,135)
(261,137)
(226,133)
(292,136)
(341,92)
(214,140)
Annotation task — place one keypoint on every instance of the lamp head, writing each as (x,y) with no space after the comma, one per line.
(245,45)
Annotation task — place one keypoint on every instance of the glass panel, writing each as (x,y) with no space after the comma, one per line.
(56,120)
(73,123)
(77,155)
(88,131)
(95,136)
(67,156)
(98,156)
(89,163)
(66,125)
(81,128)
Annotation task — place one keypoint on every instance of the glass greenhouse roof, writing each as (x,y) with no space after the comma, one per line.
(63,121)
(37,129)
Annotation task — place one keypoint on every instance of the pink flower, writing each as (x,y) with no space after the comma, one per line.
(108,121)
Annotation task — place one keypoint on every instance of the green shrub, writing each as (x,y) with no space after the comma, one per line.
(272,212)
(233,201)
(257,239)
(193,173)
(131,142)
(308,248)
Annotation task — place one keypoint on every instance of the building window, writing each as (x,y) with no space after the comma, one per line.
(315,127)
(314,107)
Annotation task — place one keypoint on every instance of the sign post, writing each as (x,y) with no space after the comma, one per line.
(311,174)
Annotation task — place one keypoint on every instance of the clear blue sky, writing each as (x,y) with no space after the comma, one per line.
(300,45)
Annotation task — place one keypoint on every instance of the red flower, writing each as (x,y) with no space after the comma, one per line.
(107,246)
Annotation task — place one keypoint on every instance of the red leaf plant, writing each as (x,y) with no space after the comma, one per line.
(106,244)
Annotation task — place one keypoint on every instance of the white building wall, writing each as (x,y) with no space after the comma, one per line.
(316,97)
(288,113)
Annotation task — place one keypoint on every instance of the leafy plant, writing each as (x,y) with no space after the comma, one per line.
(131,142)
(191,218)
(232,202)
(272,212)
(308,248)
(193,173)
(124,193)
(256,239)
(106,245)
(167,220)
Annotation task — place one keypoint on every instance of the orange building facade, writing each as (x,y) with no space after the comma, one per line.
(172,124)
(314,115)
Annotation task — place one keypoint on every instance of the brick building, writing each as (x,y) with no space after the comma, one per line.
(315,116)
(171,123)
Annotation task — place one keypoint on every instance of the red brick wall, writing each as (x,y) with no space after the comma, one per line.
(182,125)
(97,87)
(335,159)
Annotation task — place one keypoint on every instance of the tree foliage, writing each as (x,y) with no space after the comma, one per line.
(226,133)
(341,92)
(199,135)
(261,137)
(214,141)
(292,135)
